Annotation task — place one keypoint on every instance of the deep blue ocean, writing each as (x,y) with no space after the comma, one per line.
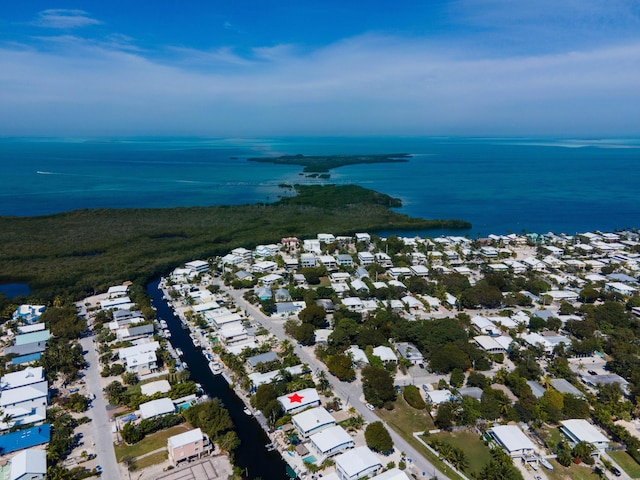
(499,185)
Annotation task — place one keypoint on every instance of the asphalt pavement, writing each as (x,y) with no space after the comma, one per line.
(100,426)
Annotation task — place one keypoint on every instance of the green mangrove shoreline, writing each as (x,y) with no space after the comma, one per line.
(74,253)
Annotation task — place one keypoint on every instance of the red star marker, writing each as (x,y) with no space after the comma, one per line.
(295,398)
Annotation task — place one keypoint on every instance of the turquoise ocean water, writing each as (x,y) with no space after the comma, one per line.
(499,185)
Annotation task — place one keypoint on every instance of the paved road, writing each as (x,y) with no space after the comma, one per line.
(100,425)
(351,392)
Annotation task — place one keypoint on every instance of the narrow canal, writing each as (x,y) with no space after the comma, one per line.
(252,455)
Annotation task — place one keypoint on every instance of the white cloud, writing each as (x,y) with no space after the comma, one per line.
(369,84)
(65,19)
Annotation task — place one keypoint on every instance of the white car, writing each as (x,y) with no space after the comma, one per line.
(369,406)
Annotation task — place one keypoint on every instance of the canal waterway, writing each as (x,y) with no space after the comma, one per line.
(252,455)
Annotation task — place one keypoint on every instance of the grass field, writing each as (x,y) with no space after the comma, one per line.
(405,420)
(573,472)
(152,459)
(476,451)
(149,443)
(627,463)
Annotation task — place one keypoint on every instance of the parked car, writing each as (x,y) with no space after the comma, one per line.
(369,406)
(616,471)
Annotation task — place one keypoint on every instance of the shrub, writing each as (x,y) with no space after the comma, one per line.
(413,397)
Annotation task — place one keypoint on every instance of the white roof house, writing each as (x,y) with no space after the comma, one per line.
(331,441)
(24,377)
(154,408)
(489,344)
(385,354)
(160,386)
(438,397)
(392,474)
(298,401)
(185,438)
(484,325)
(29,464)
(357,355)
(117,291)
(512,440)
(579,430)
(357,463)
(312,421)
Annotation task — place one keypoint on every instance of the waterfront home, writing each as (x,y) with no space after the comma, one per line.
(140,359)
(29,464)
(312,421)
(197,266)
(132,333)
(258,379)
(155,408)
(117,291)
(579,430)
(512,440)
(28,313)
(330,441)
(410,352)
(120,303)
(326,237)
(187,446)
(363,237)
(357,463)
(263,358)
(299,401)
(159,386)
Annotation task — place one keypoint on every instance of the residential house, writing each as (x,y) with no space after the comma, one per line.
(187,446)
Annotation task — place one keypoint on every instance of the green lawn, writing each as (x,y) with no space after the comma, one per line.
(405,420)
(152,459)
(149,443)
(573,472)
(476,451)
(627,463)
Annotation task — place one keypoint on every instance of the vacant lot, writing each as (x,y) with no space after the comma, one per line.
(149,443)
(478,454)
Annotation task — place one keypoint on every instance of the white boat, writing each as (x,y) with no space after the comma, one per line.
(179,352)
(166,333)
(216,367)
(247,411)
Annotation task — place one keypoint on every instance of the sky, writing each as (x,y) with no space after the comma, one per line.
(561,68)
